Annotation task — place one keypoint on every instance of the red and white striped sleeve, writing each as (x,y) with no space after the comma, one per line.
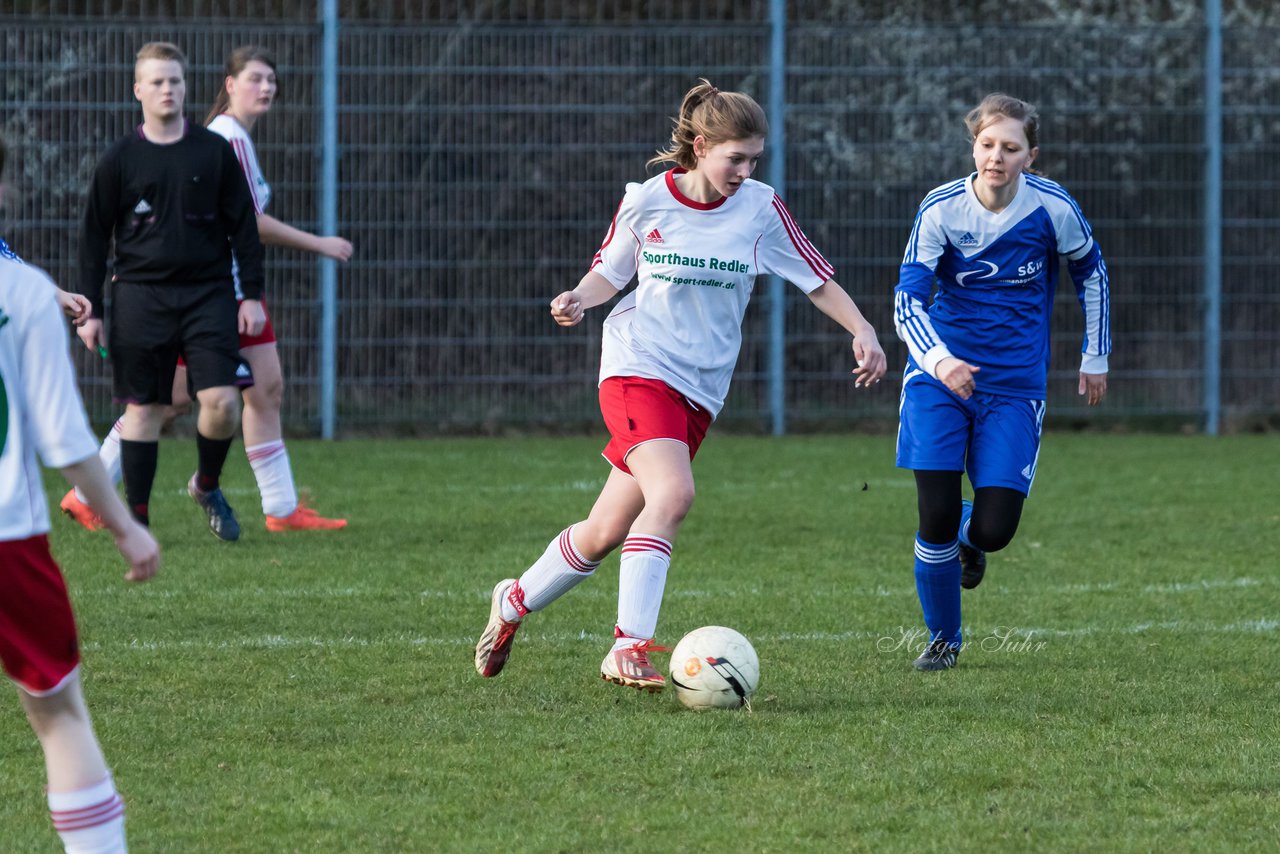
(785,251)
(247,156)
(252,172)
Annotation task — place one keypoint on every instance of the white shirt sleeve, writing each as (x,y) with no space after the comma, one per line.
(1089,274)
(785,251)
(247,156)
(619,256)
(60,429)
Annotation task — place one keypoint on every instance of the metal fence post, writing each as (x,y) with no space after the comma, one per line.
(777,179)
(1213,216)
(328,214)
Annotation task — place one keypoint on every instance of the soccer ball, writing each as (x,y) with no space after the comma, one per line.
(714,668)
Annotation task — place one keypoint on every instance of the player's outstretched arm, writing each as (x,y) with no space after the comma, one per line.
(277,233)
(568,308)
(136,545)
(835,302)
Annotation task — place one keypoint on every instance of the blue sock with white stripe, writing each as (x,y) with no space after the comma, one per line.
(966,514)
(938,585)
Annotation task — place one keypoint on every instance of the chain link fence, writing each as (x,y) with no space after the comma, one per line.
(484,147)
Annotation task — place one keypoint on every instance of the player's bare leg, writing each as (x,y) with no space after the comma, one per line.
(567,561)
(664,476)
(264,444)
(83,802)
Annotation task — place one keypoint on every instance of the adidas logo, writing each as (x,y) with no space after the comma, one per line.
(1026,472)
(654,237)
(242,371)
(142,208)
(967,239)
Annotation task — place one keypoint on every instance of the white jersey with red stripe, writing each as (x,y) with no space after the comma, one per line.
(41,413)
(696,265)
(227,127)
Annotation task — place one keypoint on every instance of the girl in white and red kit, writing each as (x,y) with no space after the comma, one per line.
(695,237)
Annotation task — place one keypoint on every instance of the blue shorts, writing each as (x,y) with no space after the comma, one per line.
(995,438)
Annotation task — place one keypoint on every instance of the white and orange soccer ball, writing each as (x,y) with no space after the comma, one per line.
(714,668)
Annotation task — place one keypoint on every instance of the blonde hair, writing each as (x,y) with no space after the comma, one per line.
(997,106)
(160,50)
(236,62)
(715,116)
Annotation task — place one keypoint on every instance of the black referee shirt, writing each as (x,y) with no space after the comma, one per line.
(176,212)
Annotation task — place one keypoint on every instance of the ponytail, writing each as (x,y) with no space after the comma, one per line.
(715,116)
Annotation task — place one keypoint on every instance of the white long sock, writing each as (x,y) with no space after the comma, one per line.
(558,571)
(109,453)
(270,463)
(641,580)
(90,820)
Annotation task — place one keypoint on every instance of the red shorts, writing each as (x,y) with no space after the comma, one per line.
(638,410)
(37,630)
(266,336)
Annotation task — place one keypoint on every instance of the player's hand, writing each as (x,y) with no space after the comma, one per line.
(75,306)
(90,332)
(1094,385)
(870,357)
(140,550)
(252,317)
(337,248)
(957,375)
(566,309)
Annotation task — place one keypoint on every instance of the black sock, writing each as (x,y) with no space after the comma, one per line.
(138,464)
(213,454)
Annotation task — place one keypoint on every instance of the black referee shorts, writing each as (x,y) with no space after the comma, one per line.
(151,325)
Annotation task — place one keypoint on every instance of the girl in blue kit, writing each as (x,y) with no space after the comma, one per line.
(973,394)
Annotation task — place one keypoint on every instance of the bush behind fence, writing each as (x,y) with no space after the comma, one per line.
(484,147)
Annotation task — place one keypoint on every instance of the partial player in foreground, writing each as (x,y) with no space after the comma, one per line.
(75,306)
(696,237)
(173,201)
(248,93)
(973,394)
(41,415)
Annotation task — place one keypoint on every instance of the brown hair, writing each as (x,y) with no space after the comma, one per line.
(998,106)
(236,62)
(717,117)
(160,50)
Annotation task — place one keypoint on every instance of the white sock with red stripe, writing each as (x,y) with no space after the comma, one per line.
(89,821)
(560,568)
(109,453)
(270,463)
(641,580)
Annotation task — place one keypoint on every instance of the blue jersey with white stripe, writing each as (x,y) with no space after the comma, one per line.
(996,274)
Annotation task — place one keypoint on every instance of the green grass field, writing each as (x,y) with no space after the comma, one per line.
(314,692)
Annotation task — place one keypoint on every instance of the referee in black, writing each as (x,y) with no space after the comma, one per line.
(174,199)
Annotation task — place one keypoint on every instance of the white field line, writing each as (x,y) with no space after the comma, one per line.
(609,591)
(1019,633)
(1199,586)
